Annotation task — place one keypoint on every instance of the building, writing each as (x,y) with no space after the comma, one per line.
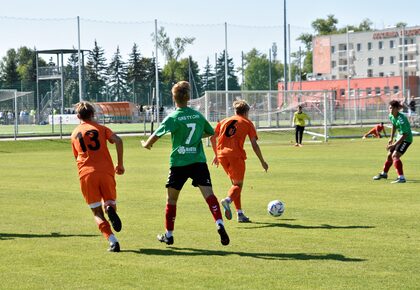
(365,65)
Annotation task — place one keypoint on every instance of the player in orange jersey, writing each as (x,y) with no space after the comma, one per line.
(228,146)
(96,170)
(376,131)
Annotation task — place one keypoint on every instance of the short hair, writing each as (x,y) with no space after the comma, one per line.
(84,110)
(241,107)
(181,92)
(300,107)
(395,104)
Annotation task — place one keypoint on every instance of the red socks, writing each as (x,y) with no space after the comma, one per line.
(214,207)
(398,166)
(170,214)
(387,165)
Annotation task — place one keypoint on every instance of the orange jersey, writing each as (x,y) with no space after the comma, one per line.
(89,143)
(231,133)
(379,128)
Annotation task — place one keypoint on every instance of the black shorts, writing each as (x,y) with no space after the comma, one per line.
(198,172)
(401,148)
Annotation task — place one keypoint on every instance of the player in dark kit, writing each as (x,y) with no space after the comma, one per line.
(398,146)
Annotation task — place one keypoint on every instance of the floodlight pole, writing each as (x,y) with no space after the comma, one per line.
(226,73)
(79,59)
(156,74)
(285,45)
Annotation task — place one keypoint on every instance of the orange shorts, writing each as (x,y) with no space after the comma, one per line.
(98,187)
(234,167)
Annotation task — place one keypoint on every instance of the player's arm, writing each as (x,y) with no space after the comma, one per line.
(149,143)
(115,139)
(258,152)
(213,141)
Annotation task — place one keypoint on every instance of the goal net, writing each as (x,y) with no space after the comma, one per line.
(271,110)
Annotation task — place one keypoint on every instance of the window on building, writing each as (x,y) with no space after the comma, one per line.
(381,44)
(333,77)
(381,74)
(377,91)
(392,59)
(396,89)
(391,44)
(369,73)
(332,49)
(369,60)
(369,91)
(369,45)
(381,60)
(387,91)
(333,64)
(342,92)
(359,47)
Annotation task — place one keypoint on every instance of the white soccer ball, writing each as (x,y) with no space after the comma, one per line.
(314,138)
(275,208)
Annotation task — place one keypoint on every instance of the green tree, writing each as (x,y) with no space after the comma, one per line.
(140,75)
(208,77)
(325,26)
(71,84)
(171,51)
(220,73)
(9,69)
(96,70)
(117,79)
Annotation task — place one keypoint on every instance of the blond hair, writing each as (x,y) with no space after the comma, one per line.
(84,110)
(181,92)
(241,107)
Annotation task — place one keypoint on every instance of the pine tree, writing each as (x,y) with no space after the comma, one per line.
(220,72)
(207,78)
(71,84)
(96,69)
(117,79)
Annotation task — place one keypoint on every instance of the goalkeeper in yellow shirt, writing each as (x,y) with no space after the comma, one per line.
(299,124)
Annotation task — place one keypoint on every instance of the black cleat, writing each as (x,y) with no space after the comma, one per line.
(114,218)
(380,176)
(114,247)
(164,239)
(224,238)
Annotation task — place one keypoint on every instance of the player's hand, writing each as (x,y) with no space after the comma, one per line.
(215,161)
(390,147)
(119,169)
(264,165)
(145,145)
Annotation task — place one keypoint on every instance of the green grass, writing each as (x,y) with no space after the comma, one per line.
(340,230)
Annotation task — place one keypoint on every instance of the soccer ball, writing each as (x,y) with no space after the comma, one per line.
(275,208)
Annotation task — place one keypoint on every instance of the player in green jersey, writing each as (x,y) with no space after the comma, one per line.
(396,146)
(187,159)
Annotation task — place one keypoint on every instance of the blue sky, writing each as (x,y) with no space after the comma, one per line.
(250,23)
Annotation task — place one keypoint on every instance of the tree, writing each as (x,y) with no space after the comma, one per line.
(9,68)
(220,73)
(325,26)
(71,85)
(207,78)
(171,51)
(96,70)
(257,71)
(117,77)
(140,75)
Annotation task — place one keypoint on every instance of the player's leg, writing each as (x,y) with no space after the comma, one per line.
(297,135)
(387,166)
(176,179)
(396,157)
(109,196)
(201,178)
(91,192)
(301,129)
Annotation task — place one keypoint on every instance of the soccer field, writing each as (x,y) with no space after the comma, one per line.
(340,230)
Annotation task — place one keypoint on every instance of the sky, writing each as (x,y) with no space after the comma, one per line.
(52,24)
